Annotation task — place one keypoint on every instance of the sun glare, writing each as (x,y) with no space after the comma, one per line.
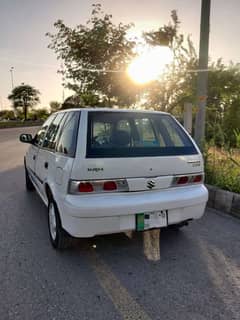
(150,64)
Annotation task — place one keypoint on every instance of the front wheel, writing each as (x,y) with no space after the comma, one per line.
(58,237)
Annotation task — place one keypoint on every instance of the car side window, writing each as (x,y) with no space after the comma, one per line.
(53,129)
(39,137)
(68,136)
(173,133)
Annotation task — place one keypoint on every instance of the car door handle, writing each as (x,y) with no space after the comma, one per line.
(46,165)
(34,157)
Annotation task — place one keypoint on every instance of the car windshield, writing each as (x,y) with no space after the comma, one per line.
(130,134)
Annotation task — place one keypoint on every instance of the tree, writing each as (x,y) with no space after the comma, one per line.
(73,101)
(55,106)
(39,114)
(231,124)
(93,54)
(83,100)
(223,104)
(25,97)
(7,115)
(177,84)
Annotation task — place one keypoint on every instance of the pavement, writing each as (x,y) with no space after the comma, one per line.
(110,277)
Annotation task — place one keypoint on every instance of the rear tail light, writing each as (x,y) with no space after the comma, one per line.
(109,186)
(198,178)
(98,186)
(187,179)
(85,187)
(183,180)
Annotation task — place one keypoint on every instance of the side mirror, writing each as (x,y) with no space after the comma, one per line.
(26,138)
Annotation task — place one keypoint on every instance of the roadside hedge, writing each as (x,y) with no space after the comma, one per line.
(222,168)
(16,124)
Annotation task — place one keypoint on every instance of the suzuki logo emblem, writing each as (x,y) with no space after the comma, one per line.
(151,184)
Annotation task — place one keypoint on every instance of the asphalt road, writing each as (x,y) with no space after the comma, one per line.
(109,277)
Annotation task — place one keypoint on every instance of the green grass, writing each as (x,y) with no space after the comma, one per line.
(222,169)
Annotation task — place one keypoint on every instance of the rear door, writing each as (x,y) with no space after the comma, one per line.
(65,153)
(137,146)
(45,164)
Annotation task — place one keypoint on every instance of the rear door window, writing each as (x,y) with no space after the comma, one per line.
(68,137)
(53,129)
(133,134)
(39,137)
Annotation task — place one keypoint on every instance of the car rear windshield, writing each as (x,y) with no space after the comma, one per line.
(135,134)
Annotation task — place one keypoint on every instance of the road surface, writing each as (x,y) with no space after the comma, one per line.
(109,277)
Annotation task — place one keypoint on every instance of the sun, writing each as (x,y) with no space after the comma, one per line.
(150,64)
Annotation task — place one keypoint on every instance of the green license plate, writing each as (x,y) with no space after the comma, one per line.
(140,221)
(150,220)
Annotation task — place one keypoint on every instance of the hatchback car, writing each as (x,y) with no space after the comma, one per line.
(102,171)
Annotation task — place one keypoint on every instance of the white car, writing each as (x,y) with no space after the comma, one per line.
(102,171)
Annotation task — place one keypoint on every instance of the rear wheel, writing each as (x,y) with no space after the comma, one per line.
(58,237)
(28,183)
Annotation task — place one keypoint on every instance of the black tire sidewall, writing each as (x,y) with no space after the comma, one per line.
(60,242)
(28,182)
(56,240)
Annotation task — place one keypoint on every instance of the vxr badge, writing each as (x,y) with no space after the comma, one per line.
(151,184)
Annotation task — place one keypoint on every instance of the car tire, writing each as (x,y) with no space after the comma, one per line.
(28,183)
(58,236)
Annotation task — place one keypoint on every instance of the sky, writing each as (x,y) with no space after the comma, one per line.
(23,44)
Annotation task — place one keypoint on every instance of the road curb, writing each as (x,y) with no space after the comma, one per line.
(223,200)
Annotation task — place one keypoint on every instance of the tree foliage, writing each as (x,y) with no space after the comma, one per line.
(39,114)
(24,97)
(55,106)
(223,104)
(177,84)
(7,115)
(87,99)
(89,50)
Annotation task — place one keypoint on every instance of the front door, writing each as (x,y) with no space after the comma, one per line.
(32,154)
(31,157)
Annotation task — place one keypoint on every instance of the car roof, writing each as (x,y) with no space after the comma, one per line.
(110,110)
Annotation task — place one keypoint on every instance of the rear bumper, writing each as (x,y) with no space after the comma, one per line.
(89,215)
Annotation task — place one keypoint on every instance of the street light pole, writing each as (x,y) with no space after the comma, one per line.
(202,78)
(11,72)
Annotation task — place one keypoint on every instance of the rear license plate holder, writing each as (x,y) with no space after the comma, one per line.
(151,220)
